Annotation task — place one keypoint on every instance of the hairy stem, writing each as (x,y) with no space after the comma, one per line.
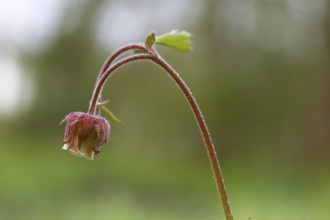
(106,75)
(109,61)
(118,53)
(195,108)
(205,133)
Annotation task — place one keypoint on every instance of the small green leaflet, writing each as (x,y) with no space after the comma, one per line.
(180,40)
(138,51)
(111,115)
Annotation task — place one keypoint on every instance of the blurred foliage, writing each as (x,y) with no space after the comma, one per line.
(267,107)
(153,185)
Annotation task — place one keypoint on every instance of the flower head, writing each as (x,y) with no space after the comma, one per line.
(85,134)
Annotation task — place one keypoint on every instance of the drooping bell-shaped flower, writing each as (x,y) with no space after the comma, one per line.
(85,134)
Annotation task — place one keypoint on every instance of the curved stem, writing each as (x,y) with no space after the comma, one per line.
(110,59)
(205,133)
(117,53)
(106,75)
(195,108)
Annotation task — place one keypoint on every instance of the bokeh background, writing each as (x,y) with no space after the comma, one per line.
(259,70)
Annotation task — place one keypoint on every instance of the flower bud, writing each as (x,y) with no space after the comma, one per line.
(85,134)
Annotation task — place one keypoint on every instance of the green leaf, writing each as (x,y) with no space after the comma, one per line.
(180,40)
(150,40)
(111,115)
(138,51)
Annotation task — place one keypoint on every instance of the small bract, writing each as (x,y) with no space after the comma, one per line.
(85,134)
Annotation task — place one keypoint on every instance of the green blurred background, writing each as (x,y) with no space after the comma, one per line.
(259,70)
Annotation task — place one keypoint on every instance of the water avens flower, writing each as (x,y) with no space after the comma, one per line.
(85,134)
